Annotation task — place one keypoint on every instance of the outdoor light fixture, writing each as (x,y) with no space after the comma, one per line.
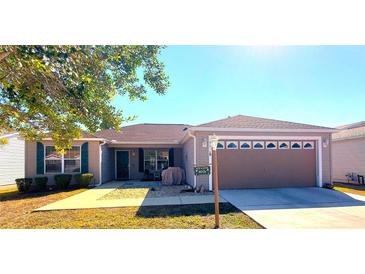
(204,143)
(213,144)
(326,143)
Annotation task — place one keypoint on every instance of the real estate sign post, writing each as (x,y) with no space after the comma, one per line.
(216,197)
(202,170)
(213,144)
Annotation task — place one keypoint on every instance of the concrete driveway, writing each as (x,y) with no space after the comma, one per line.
(310,207)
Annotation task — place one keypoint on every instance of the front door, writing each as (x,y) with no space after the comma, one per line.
(122,165)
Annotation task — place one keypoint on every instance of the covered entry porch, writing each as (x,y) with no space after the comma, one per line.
(121,162)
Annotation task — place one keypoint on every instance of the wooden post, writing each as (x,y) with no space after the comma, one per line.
(215,183)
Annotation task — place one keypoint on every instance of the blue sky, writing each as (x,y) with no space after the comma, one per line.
(320,85)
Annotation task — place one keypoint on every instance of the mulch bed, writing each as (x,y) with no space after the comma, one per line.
(126,192)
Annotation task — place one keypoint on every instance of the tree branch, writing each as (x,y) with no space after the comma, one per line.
(3,55)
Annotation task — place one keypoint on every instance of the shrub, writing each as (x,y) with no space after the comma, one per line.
(41,182)
(23,184)
(328,185)
(84,180)
(147,176)
(63,180)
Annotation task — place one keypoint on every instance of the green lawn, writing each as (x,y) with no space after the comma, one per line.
(16,211)
(354,189)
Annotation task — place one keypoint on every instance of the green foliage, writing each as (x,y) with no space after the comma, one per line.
(4,141)
(41,182)
(23,184)
(63,180)
(62,90)
(83,180)
(147,176)
(328,185)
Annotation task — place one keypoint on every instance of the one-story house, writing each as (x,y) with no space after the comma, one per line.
(348,152)
(252,153)
(11,158)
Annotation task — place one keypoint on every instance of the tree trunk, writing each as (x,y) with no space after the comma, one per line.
(3,55)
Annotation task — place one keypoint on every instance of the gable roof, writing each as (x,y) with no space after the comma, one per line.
(354,125)
(250,122)
(175,133)
(84,135)
(351,131)
(146,133)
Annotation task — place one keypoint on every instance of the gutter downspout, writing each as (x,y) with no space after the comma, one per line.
(331,165)
(194,138)
(100,169)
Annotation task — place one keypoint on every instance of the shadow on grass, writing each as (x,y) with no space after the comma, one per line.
(15,195)
(184,210)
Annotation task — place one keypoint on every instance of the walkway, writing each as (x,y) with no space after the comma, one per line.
(98,198)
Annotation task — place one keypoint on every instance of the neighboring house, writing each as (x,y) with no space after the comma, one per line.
(348,151)
(252,153)
(11,159)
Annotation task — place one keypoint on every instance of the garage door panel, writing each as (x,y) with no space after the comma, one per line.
(266,168)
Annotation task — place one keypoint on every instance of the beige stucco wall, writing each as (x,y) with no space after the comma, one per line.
(203,157)
(134,165)
(31,160)
(348,156)
(188,160)
(107,163)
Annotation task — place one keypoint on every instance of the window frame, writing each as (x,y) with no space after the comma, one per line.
(258,142)
(229,142)
(62,159)
(298,142)
(308,142)
(156,157)
(284,142)
(222,143)
(274,142)
(247,142)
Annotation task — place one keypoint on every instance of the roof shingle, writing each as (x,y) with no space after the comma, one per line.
(354,125)
(242,121)
(351,131)
(169,133)
(174,133)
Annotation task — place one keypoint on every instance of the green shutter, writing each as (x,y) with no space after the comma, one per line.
(171,158)
(141,160)
(40,158)
(85,158)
